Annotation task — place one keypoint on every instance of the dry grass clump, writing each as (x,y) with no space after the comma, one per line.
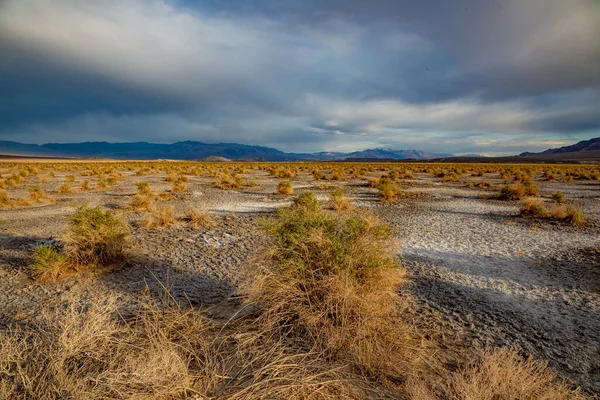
(338,201)
(285,187)
(500,374)
(38,195)
(142,201)
(559,197)
(518,190)
(307,201)
(329,283)
(198,217)
(535,208)
(389,191)
(4,198)
(227,181)
(160,217)
(178,186)
(65,188)
(144,188)
(85,350)
(49,264)
(97,237)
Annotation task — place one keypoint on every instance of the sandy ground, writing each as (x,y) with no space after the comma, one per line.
(479,271)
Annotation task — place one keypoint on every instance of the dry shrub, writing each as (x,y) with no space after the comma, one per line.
(97,237)
(38,195)
(144,188)
(499,375)
(4,198)
(198,217)
(389,191)
(534,207)
(65,188)
(228,181)
(285,187)
(307,201)
(85,350)
(142,202)
(518,190)
(160,217)
(178,186)
(329,283)
(50,264)
(338,201)
(559,197)
(85,185)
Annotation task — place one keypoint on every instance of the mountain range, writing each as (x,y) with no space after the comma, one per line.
(192,150)
(585,150)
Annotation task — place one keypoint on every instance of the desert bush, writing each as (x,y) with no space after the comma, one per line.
(70,178)
(336,175)
(85,185)
(389,191)
(198,217)
(285,187)
(317,174)
(451,177)
(37,194)
(499,374)
(144,188)
(87,351)
(50,264)
(97,237)
(572,215)
(480,185)
(534,207)
(518,190)
(559,197)
(142,201)
(329,282)
(287,173)
(178,186)
(65,188)
(228,182)
(160,217)
(307,201)
(338,201)
(4,198)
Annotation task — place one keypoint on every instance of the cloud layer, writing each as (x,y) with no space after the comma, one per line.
(493,77)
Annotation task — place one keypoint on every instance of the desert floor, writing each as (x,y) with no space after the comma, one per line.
(480,273)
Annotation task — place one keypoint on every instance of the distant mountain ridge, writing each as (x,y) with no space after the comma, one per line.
(192,150)
(582,146)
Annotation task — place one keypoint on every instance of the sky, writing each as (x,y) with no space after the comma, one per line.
(493,77)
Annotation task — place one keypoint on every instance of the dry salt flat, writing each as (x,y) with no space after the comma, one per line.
(497,279)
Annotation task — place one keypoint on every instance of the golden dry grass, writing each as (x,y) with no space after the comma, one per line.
(497,375)
(198,217)
(160,217)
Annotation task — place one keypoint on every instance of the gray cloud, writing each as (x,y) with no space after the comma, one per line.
(301,76)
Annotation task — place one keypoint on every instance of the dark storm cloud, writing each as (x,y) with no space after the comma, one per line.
(302,75)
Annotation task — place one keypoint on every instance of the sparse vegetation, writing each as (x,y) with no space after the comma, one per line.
(160,217)
(198,217)
(534,207)
(49,263)
(97,237)
(329,282)
(285,187)
(338,201)
(518,190)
